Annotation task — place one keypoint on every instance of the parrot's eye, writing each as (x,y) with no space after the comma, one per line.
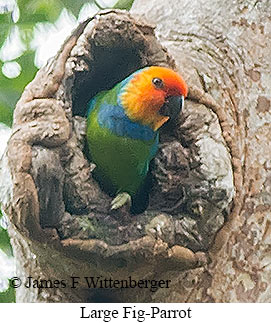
(158,83)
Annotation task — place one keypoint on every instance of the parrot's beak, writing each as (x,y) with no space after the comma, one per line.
(172,107)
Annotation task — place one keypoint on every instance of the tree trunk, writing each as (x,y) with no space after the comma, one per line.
(226,47)
(207,225)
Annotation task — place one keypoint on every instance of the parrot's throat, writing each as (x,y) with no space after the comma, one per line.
(139,108)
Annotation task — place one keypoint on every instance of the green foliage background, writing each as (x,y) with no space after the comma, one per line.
(31,13)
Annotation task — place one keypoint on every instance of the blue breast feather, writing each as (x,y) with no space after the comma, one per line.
(114,118)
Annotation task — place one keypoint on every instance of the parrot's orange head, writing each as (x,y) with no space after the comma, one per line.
(153,95)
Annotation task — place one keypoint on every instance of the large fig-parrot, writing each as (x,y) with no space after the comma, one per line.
(123,128)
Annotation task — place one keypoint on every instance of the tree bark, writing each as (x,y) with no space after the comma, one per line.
(207,224)
(225,47)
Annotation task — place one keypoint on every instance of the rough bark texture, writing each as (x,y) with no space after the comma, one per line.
(225,47)
(213,164)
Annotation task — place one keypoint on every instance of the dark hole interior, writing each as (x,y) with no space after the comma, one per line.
(108,67)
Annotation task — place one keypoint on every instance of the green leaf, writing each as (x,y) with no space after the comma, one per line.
(5,242)
(16,85)
(28,70)
(33,11)
(6,115)
(5,23)
(8,296)
(11,89)
(121,4)
(124,4)
(74,6)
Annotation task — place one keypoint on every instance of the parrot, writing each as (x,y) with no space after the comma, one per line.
(123,129)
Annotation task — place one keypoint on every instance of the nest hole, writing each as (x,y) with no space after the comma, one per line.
(107,65)
(184,206)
